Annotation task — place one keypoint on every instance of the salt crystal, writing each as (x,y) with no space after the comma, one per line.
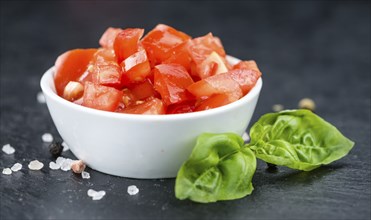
(40,97)
(47,137)
(85,175)
(91,192)
(245,137)
(99,195)
(35,165)
(60,161)
(65,146)
(16,167)
(96,195)
(7,171)
(8,149)
(132,190)
(66,165)
(54,166)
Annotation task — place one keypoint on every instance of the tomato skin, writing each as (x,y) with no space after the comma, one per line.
(160,41)
(101,97)
(171,81)
(214,101)
(108,37)
(152,106)
(217,84)
(70,66)
(108,74)
(248,64)
(136,68)
(127,43)
(246,78)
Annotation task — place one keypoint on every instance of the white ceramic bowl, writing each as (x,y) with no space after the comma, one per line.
(140,146)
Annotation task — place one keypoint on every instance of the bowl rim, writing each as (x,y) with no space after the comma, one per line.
(48,88)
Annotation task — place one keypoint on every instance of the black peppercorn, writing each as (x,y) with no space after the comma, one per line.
(56,149)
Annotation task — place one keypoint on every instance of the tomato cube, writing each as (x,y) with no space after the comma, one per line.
(143,90)
(250,64)
(127,43)
(180,55)
(70,66)
(101,97)
(214,101)
(246,78)
(183,107)
(107,74)
(217,84)
(161,40)
(150,107)
(136,68)
(212,65)
(171,81)
(108,37)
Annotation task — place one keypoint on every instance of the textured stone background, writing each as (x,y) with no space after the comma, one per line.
(310,49)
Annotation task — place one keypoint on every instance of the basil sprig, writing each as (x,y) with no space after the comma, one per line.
(221,167)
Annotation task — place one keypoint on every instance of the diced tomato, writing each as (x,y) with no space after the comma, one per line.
(104,55)
(200,49)
(214,101)
(136,68)
(108,37)
(180,55)
(203,46)
(171,81)
(246,78)
(160,41)
(107,74)
(128,98)
(101,97)
(183,107)
(249,64)
(70,66)
(127,43)
(150,107)
(143,90)
(217,84)
(212,65)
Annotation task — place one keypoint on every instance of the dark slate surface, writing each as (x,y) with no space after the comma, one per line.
(310,49)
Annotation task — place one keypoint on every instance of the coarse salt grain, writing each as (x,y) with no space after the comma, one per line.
(16,167)
(47,137)
(78,166)
(96,195)
(7,171)
(65,146)
(245,137)
(8,149)
(35,165)
(133,189)
(85,175)
(66,165)
(40,97)
(54,166)
(60,161)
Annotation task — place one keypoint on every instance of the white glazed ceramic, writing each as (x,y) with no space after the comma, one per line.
(140,146)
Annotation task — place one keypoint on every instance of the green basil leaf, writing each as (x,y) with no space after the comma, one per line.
(217,169)
(298,139)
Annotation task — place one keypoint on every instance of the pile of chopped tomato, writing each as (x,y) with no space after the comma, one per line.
(164,72)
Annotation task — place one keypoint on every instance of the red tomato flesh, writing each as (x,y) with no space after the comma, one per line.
(108,37)
(101,97)
(136,68)
(160,41)
(171,81)
(127,43)
(246,78)
(151,107)
(214,101)
(70,66)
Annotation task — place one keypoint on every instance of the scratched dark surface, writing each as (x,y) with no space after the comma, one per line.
(310,49)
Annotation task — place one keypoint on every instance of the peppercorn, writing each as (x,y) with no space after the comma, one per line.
(56,149)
